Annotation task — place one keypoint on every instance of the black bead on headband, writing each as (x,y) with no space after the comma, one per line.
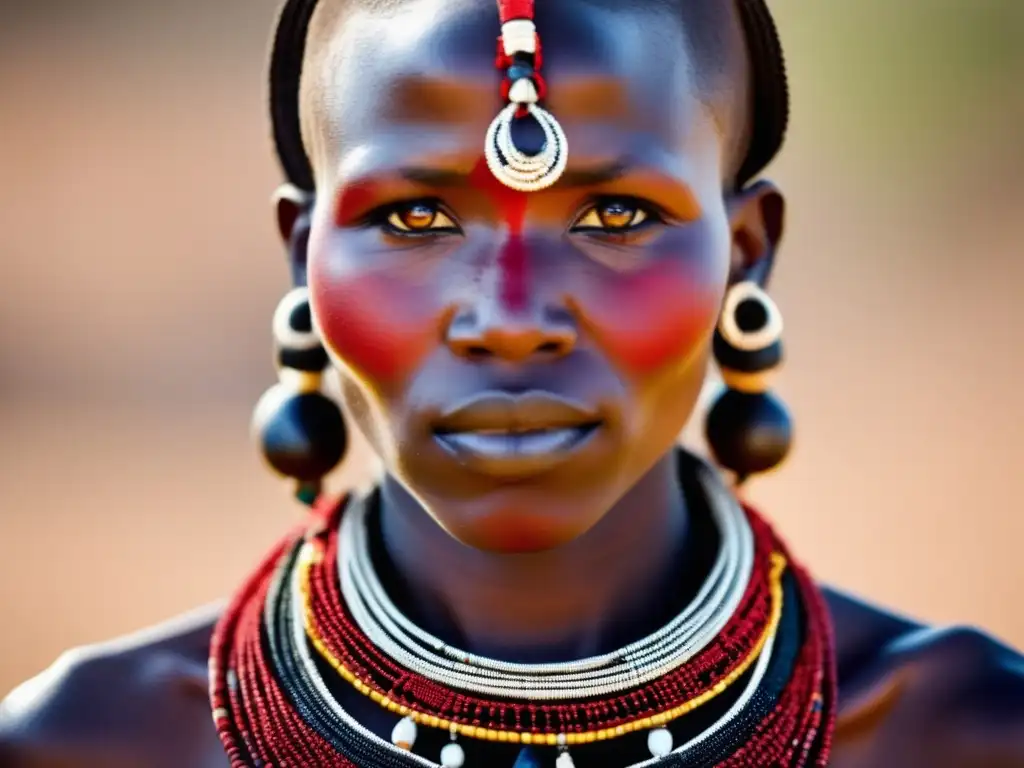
(770,93)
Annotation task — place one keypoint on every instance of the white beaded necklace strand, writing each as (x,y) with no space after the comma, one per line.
(620,670)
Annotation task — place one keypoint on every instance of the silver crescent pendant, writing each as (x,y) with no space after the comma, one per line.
(515,169)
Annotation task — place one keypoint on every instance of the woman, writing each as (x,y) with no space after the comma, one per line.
(523,310)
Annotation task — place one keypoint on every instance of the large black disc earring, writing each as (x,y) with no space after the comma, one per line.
(748,430)
(301,431)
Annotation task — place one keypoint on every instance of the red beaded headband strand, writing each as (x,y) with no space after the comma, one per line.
(526,148)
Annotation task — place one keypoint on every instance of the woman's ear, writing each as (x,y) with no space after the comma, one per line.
(294,208)
(757,219)
(290,203)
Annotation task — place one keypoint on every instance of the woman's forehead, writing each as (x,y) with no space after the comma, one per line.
(418,77)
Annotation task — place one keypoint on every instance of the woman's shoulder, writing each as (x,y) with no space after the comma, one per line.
(139,700)
(918,695)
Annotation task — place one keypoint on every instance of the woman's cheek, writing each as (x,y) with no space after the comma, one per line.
(376,324)
(656,317)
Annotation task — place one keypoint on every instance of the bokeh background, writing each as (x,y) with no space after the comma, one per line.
(140,267)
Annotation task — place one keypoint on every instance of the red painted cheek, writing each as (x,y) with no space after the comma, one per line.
(513,266)
(655,318)
(376,326)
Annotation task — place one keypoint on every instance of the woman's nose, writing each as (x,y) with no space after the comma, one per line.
(490,333)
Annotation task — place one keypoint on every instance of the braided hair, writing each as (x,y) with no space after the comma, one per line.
(769,91)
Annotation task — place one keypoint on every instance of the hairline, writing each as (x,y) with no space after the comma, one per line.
(709,27)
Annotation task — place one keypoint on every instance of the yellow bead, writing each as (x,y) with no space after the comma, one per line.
(620,731)
(491,735)
(403,710)
(589,738)
(467,730)
(503,736)
(602,734)
(443,724)
(627,728)
(751,383)
(526,738)
(514,738)
(375,697)
(551,739)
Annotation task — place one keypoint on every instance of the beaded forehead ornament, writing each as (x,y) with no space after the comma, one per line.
(526,148)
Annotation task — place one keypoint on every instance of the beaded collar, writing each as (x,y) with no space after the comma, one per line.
(313,620)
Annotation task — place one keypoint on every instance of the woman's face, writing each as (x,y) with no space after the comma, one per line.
(518,361)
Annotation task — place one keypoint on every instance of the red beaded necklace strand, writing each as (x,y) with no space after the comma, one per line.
(260,726)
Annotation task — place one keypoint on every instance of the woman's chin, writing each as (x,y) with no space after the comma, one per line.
(513,533)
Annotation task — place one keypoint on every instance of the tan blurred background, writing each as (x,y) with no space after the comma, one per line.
(140,268)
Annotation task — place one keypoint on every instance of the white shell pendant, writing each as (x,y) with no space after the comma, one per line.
(452,756)
(516,169)
(659,741)
(403,735)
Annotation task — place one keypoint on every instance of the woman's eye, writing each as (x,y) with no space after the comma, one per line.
(613,216)
(419,218)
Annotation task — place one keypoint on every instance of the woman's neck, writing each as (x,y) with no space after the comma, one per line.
(605,589)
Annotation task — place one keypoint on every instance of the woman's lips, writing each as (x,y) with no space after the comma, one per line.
(516,435)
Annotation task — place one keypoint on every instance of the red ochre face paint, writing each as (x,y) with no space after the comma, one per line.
(353,201)
(512,262)
(650,320)
(379,324)
(372,324)
(645,320)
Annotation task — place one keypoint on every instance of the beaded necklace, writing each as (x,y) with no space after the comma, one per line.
(291,630)
(664,695)
(636,664)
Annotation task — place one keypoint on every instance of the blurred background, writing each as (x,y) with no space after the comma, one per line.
(140,268)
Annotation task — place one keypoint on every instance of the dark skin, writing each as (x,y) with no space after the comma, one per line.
(523,293)
(432,284)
